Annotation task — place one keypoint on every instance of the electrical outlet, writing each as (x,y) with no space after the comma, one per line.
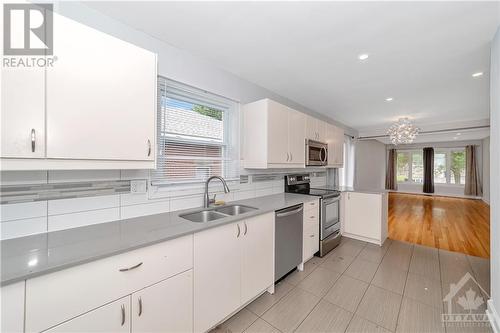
(138,186)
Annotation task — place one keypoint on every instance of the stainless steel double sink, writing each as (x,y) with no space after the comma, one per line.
(211,214)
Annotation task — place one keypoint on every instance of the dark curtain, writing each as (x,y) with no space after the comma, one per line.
(390,175)
(472,181)
(428,170)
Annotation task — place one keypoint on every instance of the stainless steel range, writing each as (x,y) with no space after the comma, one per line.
(329,221)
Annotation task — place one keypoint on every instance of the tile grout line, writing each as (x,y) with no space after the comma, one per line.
(404,288)
(369,284)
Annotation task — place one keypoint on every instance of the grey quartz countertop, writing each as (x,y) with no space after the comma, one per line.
(361,190)
(30,256)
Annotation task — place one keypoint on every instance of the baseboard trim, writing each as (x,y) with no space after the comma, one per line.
(493,317)
(459,196)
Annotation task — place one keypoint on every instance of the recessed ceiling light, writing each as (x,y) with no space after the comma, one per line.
(458,134)
(454,138)
(388,99)
(363,56)
(478,74)
(33,262)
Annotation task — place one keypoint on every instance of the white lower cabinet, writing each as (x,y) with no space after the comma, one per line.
(164,307)
(364,216)
(113,317)
(12,308)
(233,264)
(257,259)
(310,243)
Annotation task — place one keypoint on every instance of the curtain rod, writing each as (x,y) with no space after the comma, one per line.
(428,132)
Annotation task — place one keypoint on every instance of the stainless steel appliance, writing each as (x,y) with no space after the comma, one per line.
(288,240)
(316,153)
(329,216)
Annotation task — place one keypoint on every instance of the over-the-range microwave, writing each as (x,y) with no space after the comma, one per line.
(316,153)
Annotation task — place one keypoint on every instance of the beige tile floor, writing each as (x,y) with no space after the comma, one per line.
(360,287)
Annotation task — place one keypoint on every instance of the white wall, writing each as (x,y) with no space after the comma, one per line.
(494,303)
(486,170)
(370,165)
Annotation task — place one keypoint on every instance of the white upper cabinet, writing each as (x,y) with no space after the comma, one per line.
(316,129)
(100,96)
(273,136)
(23,112)
(95,108)
(277,145)
(296,136)
(335,141)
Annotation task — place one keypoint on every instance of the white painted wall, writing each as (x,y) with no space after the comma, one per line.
(494,303)
(370,165)
(486,170)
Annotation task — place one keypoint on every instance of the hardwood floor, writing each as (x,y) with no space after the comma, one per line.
(454,224)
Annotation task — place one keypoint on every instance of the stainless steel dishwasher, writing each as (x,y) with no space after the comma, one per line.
(288,240)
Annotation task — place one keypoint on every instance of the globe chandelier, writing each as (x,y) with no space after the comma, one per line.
(402,132)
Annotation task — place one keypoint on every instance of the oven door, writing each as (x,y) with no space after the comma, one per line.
(316,153)
(330,211)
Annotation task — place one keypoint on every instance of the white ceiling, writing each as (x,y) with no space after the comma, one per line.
(421,54)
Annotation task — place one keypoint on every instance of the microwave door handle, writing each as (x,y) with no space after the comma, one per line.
(323,159)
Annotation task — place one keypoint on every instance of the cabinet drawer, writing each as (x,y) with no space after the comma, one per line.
(311,205)
(311,243)
(311,219)
(59,296)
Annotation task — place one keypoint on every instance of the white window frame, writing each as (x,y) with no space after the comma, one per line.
(410,162)
(447,151)
(231,133)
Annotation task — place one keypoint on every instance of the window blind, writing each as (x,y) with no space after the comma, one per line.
(197,135)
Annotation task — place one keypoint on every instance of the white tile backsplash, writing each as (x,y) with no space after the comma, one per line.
(60,176)
(24,227)
(23,177)
(23,210)
(34,217)
(66,206)
(73,220)
(156,207)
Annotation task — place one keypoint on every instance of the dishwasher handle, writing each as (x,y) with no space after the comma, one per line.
(289,211)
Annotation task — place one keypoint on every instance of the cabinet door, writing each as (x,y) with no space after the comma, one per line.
(362,214)
(101,96)
(322,128)
(23,112)
(217,274)
(296,136)
(311,128)
(257,270)
(311,242)
(12,308)
(335,140)
(277,142)
(165,307)
(113,317)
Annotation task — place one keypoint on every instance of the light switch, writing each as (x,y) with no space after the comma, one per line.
(138,186)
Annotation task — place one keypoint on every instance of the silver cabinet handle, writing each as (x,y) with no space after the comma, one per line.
(130,268)
(291,157)
(246,229)
(149,147)
(239,231)
(140,306)
(123,315)
(311,236)
(33,140)
(287,157)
